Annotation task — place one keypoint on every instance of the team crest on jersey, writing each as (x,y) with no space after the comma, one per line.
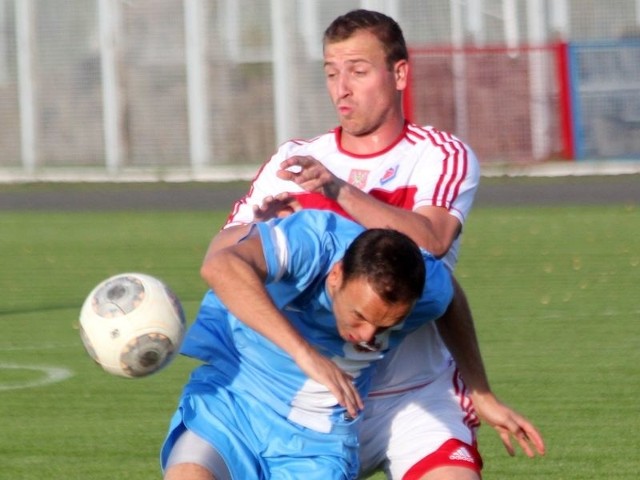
(389,174)
(358,178)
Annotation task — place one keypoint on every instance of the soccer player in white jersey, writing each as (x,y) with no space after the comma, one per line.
(384,171)
(299,312)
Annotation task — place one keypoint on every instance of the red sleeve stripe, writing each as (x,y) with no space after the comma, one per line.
(471,419)
(414,134)
(454,169)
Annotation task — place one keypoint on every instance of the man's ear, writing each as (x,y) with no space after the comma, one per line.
(401,74)
(334,279)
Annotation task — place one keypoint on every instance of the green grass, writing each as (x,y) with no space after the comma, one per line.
(555,293)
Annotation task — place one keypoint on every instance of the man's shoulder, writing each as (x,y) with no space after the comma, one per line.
(320,221)
(303,146)
(432,147)
(430,136)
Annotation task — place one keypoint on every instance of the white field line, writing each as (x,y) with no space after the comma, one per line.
(50,374)
(46,346)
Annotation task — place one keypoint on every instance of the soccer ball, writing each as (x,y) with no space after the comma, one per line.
(132,324)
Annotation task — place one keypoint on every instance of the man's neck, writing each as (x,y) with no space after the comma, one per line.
(374,142)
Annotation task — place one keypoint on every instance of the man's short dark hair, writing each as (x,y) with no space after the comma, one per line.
(390,262)
(385,28)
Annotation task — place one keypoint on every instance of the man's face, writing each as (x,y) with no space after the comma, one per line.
(363,90)
(360,312)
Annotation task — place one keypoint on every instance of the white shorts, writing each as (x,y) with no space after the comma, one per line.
(399,431)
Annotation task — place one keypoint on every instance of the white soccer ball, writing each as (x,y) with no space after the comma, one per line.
(132,324)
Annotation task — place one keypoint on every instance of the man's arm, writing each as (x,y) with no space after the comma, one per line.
(237,274)
(457,330)
(432,228)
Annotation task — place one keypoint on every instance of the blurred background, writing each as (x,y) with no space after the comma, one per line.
(209,88)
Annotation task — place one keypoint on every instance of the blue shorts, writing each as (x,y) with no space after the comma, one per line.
(256,442)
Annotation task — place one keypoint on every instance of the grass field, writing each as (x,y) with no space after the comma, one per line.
(555,292)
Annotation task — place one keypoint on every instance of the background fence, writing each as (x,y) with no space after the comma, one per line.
(166,85)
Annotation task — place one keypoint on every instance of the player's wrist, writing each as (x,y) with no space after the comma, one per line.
(336,189)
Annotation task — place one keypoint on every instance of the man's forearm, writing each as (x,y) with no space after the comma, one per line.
(373,213)
(458,332)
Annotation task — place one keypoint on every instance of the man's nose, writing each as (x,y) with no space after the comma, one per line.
(343,85)
(367,332)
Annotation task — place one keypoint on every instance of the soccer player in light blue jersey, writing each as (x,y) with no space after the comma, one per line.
(298,313)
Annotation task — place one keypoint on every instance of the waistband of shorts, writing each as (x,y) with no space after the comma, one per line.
(399,391)
(347,426)
(390,392)
(343,426)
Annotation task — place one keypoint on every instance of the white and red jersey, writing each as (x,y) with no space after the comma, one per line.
(423,167)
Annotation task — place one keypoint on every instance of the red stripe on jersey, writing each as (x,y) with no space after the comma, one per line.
(413,130)
(320,202)
(454,170)
(403,197)
(459,169)
(471,419)
(463,173)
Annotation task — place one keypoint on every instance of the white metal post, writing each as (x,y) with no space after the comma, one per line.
(388,7)
(538,80)
(377,5)
(560,18)
(459,71)
(510,17)
(475,21)
(112,109)
(281,23)
(310,28)
(25,21)
(4,54)
(229,23)
(197,81)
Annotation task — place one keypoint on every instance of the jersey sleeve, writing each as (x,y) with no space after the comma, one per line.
(447,175)
(437,293)
(265,183)
(301,249)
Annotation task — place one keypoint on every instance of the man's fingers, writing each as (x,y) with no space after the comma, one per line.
(506,441)
(353,403)
(525,445)
(348,396)
(526,438)
(534,438)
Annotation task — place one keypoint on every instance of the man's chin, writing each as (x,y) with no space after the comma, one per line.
(354,130)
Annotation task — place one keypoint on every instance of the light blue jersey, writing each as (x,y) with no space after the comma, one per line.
(244,370)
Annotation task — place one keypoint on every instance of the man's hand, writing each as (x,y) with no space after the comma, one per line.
(339,383)
(279,206)
(310,174)
(509,423)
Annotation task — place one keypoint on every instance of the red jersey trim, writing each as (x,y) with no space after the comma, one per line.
(338,134)
(320,202)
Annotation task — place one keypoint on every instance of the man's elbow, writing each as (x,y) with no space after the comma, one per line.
(205,272)
(208,268)
(438,249)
